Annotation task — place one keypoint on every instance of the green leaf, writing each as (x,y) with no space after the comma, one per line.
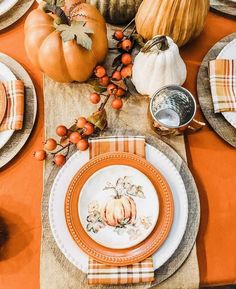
(99,89)
(99,119)
(117,60)
(78,31)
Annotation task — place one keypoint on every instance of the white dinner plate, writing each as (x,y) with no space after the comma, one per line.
(229,52)
(5,75)
(57,197)
(6,5)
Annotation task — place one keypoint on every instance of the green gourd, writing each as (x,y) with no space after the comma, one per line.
(117,11)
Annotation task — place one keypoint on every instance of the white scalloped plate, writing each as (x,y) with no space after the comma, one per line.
(229,52)
(56,208)
(6,5)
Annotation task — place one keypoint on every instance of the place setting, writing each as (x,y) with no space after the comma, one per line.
(216,88)
(100,217)
(18,107)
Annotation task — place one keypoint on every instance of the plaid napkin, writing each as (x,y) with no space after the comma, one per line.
(13,119)
(223,84)
(105,274)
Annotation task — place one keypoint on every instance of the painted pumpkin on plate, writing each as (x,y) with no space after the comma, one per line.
(117,11)
(66,45)
(119,210)
(182,20)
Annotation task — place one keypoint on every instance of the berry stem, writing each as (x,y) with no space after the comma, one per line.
(104,103)
(61,149)
(132,32)
(128,25)
(112,48)
(116,68)
(68,149)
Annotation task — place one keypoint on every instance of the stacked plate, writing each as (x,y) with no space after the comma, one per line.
(229,52)
(6,5)
(224,124)
(11,142)
(118,208)
(5,75)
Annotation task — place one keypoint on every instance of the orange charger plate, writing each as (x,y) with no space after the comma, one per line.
(139,252)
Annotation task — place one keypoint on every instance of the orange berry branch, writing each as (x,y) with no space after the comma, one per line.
(105,87)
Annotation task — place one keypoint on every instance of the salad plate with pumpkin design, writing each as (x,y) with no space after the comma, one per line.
(122,211)
(119,208)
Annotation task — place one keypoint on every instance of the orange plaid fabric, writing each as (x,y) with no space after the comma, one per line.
(101,145)
(223,84)
(13,119)
(141,272)
(104,274)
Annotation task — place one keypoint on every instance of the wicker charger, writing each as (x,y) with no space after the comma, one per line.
(19,138)
(224,6)
(217,121)
(15,13)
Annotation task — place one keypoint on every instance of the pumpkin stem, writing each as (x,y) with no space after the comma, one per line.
(48,8)
(160,41)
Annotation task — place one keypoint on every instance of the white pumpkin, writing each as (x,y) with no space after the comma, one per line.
(158,64)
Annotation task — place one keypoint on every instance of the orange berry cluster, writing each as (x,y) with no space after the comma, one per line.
(112,89)
(77,137)
(123,70)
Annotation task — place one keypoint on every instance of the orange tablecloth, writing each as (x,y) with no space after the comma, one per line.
(211,160)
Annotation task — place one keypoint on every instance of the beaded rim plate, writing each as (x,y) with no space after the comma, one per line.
(144,249)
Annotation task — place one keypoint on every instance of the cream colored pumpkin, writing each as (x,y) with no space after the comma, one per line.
(158,64)
(182,20)
(117,210)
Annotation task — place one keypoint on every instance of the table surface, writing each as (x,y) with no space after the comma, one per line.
(211,161)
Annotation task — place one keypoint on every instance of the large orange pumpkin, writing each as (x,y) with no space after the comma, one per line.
(182,20)
(118,210)
(65,61)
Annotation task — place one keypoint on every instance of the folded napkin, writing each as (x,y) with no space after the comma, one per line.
(13,119)
(137,273)
(223,84)
(104,274)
